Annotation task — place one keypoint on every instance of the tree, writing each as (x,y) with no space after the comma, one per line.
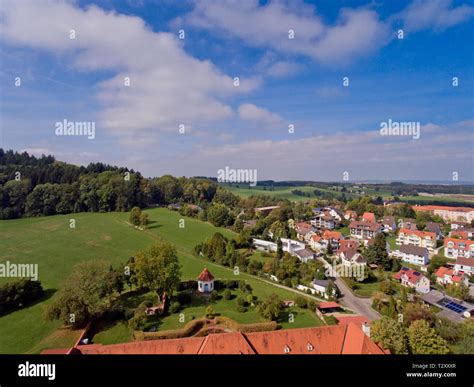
(279,252)
(436,262)
(88,292)
(270,308)
(135,214)
(417,311)
(144,220)
(209,311)
(218,214)
(389,334)
(424,340)
(377,252)
(460,291)
(158,268)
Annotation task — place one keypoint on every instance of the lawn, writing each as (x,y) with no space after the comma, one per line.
(282,192)
(56,248)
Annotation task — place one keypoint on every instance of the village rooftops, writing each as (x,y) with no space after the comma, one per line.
(369,226)
(413,276)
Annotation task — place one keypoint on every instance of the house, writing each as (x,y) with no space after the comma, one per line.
(435,228)
(458,225)
(466,265)
(321,287)
(463,233)
(304,255)
(326,307)
(334,237)
(289,245)
(350,215)
(302,229)
(364,230)
(324,220)
(368,217)
(417,238)
(347,244)
(460,214)
(389,223)
(413,279)
(454,248)
(335,213)
(205,281)
(352,257)
(445,276)
(317,243)
(335,339)
(407,223)
(413,254)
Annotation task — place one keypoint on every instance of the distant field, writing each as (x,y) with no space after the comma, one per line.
(446,200)
(56,248)
(283,192)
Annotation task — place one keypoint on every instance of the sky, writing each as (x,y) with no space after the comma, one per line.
(296,90)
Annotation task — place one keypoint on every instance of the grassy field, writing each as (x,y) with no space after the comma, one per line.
(282,192)
(56,248)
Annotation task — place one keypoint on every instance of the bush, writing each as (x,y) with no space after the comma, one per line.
(214,296)
(301,302)
(17,294)
(184,298)
(175,307)
(241,301)
(227,294)
(241,309)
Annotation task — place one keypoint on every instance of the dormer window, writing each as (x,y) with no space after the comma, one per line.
(310,347)
(287,349)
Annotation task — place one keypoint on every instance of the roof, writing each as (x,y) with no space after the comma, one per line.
(371,226)
(420,234)
(442,271)
(304,253)
(368,217)
(457,242)
(388,220)
(205,276)
(327,234)
(465,261)
(433,227)
(347,244)
(328,305)
(414,250)
(322,283)
(336,339)
(413,276)
(445,208)
(352,319)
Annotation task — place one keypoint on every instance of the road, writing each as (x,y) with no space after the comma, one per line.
(358,305)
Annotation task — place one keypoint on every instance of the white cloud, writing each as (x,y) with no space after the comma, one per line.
(436,14)
(357,32)
(259,115)
(168,86)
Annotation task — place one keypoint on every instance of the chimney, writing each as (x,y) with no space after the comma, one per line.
(366,328)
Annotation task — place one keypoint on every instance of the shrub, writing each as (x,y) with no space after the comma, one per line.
(241,309)
(175,307)
(15,295)
(227,294)
(241,301)
(301,302)
(214,296)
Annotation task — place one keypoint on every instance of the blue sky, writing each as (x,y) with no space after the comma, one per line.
(283,81)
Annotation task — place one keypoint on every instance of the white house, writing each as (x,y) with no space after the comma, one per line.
(466,265)
(445,276)
(205,281)
(458,248)
(413,279)
(321,287)
(417,238)
(351,257)
(413,254)
(389,224)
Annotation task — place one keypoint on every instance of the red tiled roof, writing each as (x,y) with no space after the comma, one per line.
(327,234)
(338,339)
(368,217)
(467,243)
(442,271)
(420,234)
(328,305)
(205,276)
(413,276)
(465,261)
(357,320)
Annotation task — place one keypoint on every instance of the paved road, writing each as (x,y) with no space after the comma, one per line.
(358,305)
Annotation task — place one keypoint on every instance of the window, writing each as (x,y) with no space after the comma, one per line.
(286,349)
(310,347)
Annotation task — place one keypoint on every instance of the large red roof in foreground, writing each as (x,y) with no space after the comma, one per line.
(337,339)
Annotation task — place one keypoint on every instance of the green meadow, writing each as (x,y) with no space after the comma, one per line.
(56,248)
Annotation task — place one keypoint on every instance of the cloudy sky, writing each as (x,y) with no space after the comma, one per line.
(332,70)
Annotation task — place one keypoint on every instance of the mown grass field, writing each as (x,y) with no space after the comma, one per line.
(283,192)
(56,248)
